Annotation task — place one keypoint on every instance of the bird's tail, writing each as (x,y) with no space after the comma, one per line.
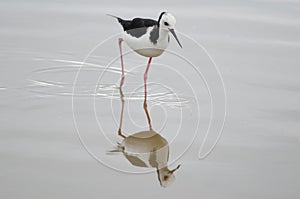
(118,18)
(118,148)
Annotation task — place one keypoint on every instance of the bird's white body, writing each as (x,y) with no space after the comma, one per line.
(144,46)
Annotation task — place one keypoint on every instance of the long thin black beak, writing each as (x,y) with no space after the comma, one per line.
(174,34)
(172,171)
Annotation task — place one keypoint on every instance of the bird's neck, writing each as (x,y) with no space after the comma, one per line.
(162,169)
(163,33)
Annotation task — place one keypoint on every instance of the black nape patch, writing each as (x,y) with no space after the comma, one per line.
(160,16)
(154,34)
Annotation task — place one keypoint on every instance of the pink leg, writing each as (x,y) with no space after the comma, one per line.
(122,63)
(146,75)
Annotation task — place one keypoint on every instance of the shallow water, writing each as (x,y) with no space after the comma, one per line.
(57,86)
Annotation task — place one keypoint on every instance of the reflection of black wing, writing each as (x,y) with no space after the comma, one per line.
(134,160)
(137,27)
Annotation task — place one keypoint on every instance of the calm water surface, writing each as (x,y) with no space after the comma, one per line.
(50,75)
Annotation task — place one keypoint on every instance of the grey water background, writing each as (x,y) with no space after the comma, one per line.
(43,43)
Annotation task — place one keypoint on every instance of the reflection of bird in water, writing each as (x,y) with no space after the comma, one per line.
(147,37)
(147,149)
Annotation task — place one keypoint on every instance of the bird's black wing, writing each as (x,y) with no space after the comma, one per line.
(141,23)
(136,23)
(137,26)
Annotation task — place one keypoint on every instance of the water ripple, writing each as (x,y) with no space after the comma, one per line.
(57,81)
(75,66)
(2,88)
(106,91)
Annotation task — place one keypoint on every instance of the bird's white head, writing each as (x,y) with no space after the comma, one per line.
(166,177)
(167,21)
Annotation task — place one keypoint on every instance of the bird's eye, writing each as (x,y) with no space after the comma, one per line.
(166,23)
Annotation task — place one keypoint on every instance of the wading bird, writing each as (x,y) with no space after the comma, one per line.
(147,37)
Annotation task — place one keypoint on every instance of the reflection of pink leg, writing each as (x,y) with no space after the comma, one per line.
(122,64)
(145,90)
(146,111)
(146,75)
(121,117)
